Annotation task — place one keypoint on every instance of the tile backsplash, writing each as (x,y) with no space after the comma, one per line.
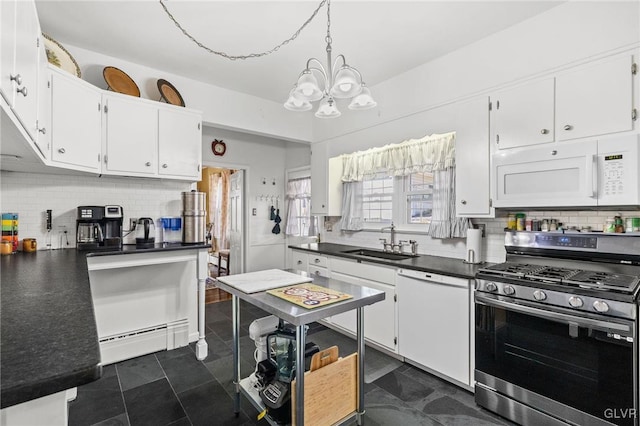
(30,195)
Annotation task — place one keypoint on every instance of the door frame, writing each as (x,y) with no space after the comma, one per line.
(245,211)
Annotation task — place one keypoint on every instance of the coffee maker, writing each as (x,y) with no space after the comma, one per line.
(99,227)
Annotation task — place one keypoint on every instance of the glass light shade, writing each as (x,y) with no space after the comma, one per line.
(346,84)
(295,104)
(327,109)
(363,101)
(307,87)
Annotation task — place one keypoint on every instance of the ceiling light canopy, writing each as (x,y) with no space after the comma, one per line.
(341,82)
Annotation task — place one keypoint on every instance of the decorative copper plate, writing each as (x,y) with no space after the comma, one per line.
(169,93)
(120,82)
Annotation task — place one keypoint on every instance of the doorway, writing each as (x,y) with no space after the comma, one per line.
(224,190)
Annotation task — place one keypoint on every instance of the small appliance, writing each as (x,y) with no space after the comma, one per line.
(145,233)
(99,227)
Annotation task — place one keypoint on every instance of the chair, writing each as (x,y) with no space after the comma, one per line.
(223,255)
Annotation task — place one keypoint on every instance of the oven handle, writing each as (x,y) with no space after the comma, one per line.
(553,316)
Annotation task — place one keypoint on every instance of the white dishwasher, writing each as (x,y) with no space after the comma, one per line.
(433,323)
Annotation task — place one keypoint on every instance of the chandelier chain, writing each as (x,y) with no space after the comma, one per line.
(328,38)
(250,55)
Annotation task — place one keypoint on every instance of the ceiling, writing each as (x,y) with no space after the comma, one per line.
(380,38)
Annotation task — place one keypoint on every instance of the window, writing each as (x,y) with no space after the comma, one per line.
(412,204)
(299,219)
(377,199)
(418,198)
(302,215)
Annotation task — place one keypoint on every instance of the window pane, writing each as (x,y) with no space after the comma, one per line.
(419,208)
(420,182)
(377,199)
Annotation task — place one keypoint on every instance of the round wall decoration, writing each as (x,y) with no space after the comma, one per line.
(218,147)
(60,57)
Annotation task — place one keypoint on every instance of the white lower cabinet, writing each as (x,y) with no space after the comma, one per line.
(299,260)
(434,324)
(379,318)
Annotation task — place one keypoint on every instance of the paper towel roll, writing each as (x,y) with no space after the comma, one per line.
(474,246)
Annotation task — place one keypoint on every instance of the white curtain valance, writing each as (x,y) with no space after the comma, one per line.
(430,153)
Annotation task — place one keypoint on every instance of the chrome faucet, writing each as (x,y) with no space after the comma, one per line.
(391,243)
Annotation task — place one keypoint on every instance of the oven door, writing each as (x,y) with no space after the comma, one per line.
(576,368)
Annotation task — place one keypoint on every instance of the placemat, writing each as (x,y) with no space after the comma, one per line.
(309,295)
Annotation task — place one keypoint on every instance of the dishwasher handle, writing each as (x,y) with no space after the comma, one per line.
(432,278)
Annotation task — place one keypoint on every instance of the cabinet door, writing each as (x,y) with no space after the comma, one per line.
(433,326)
(472,159)
(7,48)
(299,260)
(563,175)
(319,159)
(43,138)
(379,318)
(524,115)
(179,144)
(25,103)
(595,99)
(75,122)
(131,137)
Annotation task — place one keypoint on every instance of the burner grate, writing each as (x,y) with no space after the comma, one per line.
(513,269)
(604,280)
(552,274)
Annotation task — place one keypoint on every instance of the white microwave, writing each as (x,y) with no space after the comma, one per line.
(602,172)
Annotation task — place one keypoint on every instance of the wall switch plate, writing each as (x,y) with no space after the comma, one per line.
(254,212)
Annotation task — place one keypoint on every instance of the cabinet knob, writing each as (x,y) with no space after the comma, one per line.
(568,127)
(544,131)
(23,91)
(463,201)
(164,166)
(62,151)
(554,152)
(316,260)
(17,78)
(43,131)
(148,164)
(299,262)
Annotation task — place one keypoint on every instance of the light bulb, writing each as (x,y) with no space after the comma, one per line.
(345,87)
(307,91)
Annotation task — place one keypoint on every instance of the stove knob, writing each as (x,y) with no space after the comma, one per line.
(576,302)
(600,306)
(508,290)
(491,287)
(539,295)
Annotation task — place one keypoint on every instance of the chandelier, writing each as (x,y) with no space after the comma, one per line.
(339,81)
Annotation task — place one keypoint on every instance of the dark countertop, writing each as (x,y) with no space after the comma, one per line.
(48,335)
(425,263)
(133,249)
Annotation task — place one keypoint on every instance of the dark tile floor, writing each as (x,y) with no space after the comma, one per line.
(173,388)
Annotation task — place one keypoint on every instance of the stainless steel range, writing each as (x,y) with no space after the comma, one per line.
(556,334)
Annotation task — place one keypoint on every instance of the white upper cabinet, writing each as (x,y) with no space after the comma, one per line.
(130,136)
(326,183)
(75,122)
(20,39)
(595,99)
(179,144)
(43,124)
(472,159)
(7,49)
(523,115)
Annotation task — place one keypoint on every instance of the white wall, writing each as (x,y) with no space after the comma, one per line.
(31,194)
(264,159)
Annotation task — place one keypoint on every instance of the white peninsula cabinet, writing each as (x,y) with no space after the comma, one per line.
(75,122)
(434,323)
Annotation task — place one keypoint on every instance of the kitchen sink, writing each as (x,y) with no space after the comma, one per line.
(378,254)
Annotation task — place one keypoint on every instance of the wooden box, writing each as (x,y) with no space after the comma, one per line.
(330,393)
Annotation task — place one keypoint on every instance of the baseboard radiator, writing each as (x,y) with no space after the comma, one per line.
(136,343)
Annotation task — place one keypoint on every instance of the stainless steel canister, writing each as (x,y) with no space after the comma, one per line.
(193,217)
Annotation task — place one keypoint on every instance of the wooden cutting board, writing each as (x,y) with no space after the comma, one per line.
(324,357)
